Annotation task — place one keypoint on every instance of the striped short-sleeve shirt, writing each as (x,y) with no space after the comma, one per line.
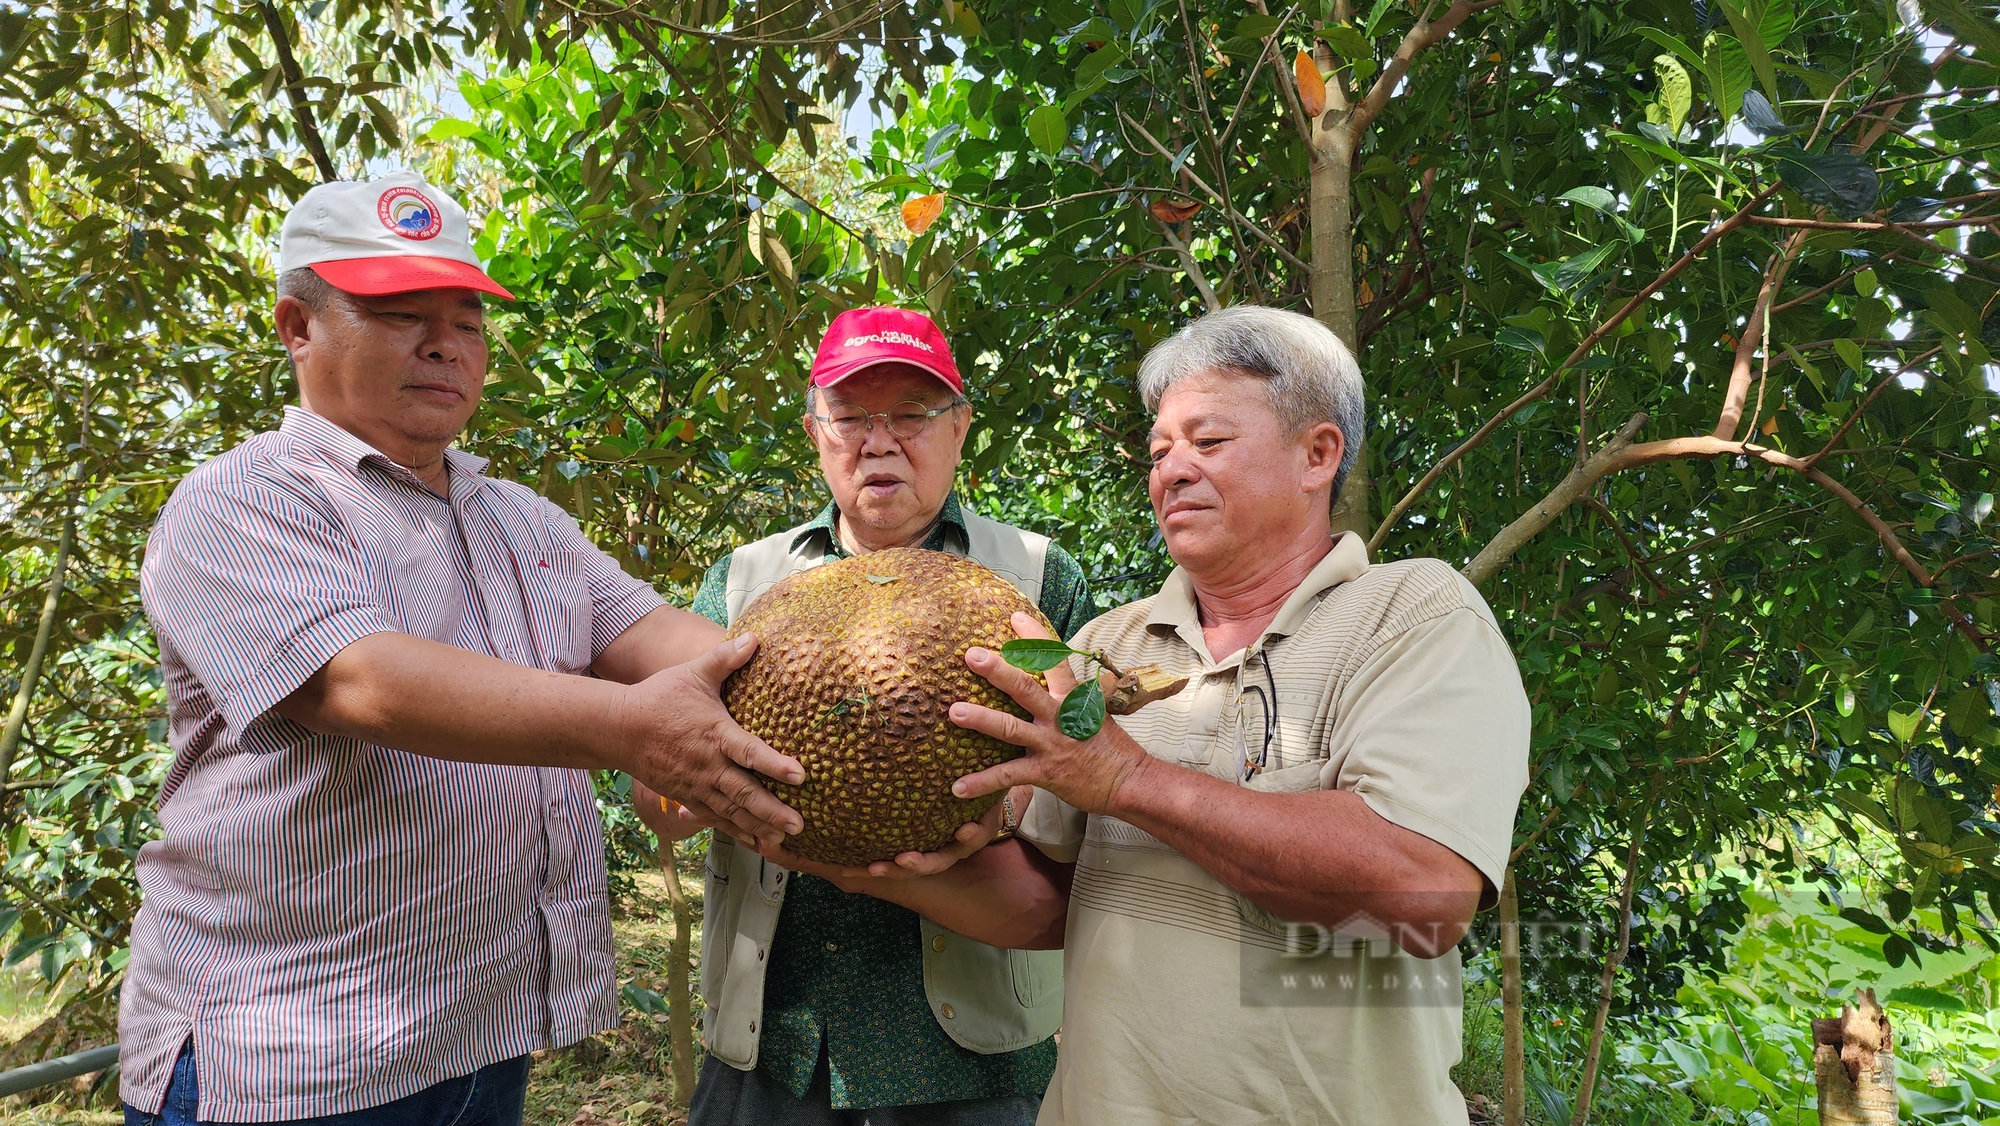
(336,924)
(1184,1001)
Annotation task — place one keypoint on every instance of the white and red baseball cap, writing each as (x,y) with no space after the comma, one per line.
(395,234)
(883,334)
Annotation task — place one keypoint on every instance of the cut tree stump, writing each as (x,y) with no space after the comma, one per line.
(1854,1065)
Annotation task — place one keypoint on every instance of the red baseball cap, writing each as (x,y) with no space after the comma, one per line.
(883,334)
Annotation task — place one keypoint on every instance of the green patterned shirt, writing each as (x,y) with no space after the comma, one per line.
(847,971)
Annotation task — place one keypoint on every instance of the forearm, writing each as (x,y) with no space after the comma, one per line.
(1007,894)
(662,639)
(432,699)
(1318,857)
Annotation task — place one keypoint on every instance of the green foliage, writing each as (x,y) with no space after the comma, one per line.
(1742,1042)
(1711,633)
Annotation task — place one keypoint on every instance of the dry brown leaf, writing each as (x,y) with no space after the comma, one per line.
(1365,295)
(1173,210)
(921,212)
(1771,426)
(1312,88)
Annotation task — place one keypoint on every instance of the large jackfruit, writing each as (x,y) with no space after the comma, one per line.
(857,666)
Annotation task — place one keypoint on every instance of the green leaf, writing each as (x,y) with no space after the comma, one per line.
(1968,25)
(1595,198)
(1375,14)
(1840,182)
(1903,720)
(1090,76)
(1581,268)
(451,129)
(1914,209)
(1082,713)
(1866,920)
(1850,354)
(1727,67)
(1753,46)
(1924,997)
(1968,711)
(1347,41)
(1256,26)
(1035,654)
(1762,117)
(1048,129)
(1676,91)
(1675,44)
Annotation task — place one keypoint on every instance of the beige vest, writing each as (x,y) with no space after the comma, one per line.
(986,999)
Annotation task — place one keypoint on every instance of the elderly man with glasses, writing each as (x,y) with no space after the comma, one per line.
(1259,883)
(826,1007)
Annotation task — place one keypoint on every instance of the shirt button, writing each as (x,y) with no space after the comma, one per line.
(760,955)
(937,944)
(753,1026)
(833,948)
(945,1011)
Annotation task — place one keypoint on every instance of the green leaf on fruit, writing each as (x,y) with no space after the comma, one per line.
(1035,654)
(1082,713)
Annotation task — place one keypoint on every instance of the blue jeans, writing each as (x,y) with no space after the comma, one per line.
(491,1096)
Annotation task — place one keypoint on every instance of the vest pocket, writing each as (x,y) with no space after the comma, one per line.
(1036,976)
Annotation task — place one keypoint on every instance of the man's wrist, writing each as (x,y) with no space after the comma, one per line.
(1139,779)
(620,728)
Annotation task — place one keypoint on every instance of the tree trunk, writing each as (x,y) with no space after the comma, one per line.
(680,994)
(1331,212)
(1854,1066)
(1607,982)
(1514,1054)
(17,716)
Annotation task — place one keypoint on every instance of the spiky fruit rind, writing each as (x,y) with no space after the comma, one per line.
(858,663)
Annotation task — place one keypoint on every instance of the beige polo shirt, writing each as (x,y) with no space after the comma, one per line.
(1186,1003)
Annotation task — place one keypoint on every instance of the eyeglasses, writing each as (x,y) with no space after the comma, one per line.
(1249,766)
(904,420)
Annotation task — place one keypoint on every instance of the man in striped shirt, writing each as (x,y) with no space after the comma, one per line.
(380,881)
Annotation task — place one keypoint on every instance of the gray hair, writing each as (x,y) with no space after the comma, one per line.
(305,285)
(1310,375)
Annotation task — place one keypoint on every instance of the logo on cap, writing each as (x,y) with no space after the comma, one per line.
(409,213)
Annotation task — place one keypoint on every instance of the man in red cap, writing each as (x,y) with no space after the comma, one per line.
(379,881)
(825,1007)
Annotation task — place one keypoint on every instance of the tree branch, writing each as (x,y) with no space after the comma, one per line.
(1285,92)
(1418,39)
(1530,523)
(302,114)
(1189,266)
(1855,414)
(1613,958)
(1750,343)
(17,716)
(1622,454)
(1195,178)
(1541,389)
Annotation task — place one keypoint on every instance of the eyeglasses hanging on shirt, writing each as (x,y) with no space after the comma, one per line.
(1249,766)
